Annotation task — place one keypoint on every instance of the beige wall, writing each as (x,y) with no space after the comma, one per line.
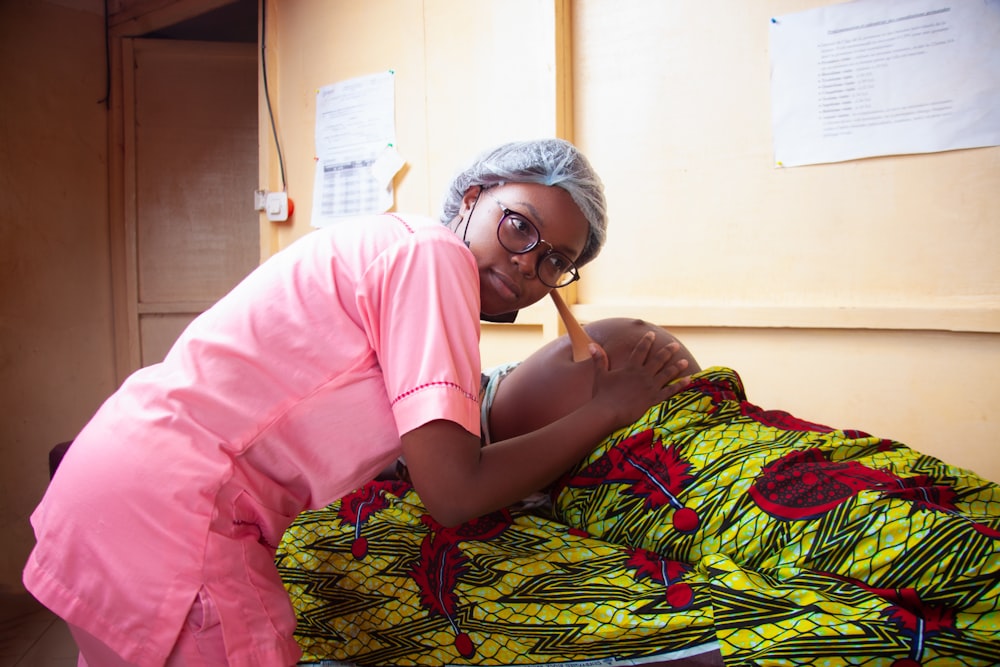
(56,350)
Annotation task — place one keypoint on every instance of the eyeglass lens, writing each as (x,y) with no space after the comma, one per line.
(519,235)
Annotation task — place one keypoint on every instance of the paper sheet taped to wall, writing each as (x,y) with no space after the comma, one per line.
(355,154)
(884,77)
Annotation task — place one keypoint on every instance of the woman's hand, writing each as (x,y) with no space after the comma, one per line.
(645,379)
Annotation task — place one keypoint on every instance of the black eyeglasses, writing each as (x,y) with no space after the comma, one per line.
(519,235)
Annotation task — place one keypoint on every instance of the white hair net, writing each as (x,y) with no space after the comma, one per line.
(542,161)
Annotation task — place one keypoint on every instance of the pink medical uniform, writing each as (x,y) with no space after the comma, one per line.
(287,394)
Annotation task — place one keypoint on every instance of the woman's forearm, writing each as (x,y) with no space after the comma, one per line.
(457,481)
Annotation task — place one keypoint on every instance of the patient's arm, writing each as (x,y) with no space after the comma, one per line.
(549,384)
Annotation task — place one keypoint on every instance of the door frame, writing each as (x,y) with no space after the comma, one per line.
(132,21)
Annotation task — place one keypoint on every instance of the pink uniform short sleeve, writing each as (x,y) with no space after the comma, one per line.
(417,301)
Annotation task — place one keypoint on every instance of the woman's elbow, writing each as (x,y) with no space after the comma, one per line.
(448,512)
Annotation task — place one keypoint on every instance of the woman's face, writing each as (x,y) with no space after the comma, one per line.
(507,281)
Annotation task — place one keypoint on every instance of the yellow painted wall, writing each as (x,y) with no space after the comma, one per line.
(692,167)
(864,294)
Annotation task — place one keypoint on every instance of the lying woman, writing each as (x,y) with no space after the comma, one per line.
(710,529)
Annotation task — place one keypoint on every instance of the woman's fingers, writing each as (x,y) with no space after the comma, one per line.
(668,371)
(640,353)
(659,361)
(664,354)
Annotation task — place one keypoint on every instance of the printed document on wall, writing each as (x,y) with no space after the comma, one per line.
(355,154)
(884,77)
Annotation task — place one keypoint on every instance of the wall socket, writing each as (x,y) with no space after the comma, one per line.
(276,206)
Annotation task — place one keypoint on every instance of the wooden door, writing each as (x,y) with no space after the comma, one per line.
(190,171)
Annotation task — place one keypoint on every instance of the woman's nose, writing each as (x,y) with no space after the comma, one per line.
(526,262)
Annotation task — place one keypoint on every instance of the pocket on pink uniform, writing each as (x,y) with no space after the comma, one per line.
(204,615)
(201,642)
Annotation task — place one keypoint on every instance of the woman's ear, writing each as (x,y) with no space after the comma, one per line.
(469,200)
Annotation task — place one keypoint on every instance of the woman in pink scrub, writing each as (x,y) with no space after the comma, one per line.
(355,345)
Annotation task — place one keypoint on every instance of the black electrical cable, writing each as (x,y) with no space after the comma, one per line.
(267,95)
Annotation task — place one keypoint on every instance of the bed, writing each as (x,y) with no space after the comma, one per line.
(709,532)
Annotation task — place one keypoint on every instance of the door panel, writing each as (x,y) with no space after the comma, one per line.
(193,148)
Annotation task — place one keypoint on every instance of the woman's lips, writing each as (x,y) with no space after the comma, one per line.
(506,287)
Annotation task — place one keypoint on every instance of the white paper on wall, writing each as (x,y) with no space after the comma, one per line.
(355,148)
(884,77)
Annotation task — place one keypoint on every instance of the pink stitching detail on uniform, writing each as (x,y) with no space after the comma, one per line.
(468,395)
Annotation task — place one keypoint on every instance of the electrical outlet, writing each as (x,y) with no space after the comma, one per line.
(277,206)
